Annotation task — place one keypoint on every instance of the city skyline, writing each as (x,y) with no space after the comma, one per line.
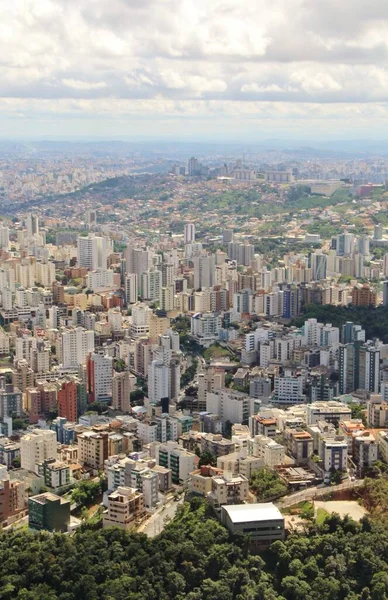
(185,70)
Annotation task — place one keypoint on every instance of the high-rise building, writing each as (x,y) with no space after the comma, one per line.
(151,284)
(32,224)
(93,448)
(189,233)
(344,243)
(204,271)
(131,288)
(11,404)
(363,245)
(385,293)
(36,446)
(93,251)
(122,385)
(193,167)
(369,369)
(167,270)
(352,333)
(167,298)
(158,381)
(138,260)
(4,236)
(75,344)
(68,401)
(318,263)
(99,369)
(378,231)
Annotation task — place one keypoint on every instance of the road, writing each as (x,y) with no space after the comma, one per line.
(155,523)
(316,491)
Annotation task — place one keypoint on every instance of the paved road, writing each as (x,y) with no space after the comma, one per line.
(156,522)
(316,491)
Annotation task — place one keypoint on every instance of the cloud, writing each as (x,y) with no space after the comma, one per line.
(85,54)
(84,85)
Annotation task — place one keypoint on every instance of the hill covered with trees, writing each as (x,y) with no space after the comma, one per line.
(194,559)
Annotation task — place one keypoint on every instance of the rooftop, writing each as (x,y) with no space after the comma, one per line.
(243,513)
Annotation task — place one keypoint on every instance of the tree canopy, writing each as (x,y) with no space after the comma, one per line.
(194,558)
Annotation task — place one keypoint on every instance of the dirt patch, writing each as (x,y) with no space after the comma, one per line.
(342,507)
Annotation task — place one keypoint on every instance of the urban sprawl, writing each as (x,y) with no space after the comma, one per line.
(215,327)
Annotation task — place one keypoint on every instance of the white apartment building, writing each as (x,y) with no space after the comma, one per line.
(115,319)
(75,345)
(204,271)
(334,453)
(158,381)
(37,446)
(45,273)
(131,288)
(288,390)
(331,411)
(189,233)
(93,251)
(100,279)
(140,324)
(151,285)
(93,448)
(147,431)
(172,456)
(100,375)
(365,449)
(230,405)
(206,327)
(377,407)
(265,448)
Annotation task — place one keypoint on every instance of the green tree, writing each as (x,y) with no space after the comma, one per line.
(207,458)
(266,484)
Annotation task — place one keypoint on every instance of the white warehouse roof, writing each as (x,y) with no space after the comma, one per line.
(245,513)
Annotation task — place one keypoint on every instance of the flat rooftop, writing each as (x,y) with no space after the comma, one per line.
(245,513)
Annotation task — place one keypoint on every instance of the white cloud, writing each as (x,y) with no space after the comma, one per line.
(76,84)
(193,56)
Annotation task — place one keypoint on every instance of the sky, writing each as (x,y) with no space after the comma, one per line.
(194,69)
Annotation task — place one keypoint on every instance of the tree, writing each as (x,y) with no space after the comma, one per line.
(207,458)
(136,398)
(267,484)
(119,365)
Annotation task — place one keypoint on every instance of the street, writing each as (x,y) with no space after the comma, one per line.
(155,523)
(318,490)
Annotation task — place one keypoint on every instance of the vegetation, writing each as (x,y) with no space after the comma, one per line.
(87,492)
(358,412)
(322,514)
(375,495)
(216,351)
(267,485)
(195,559)
(207,458)
(119,365)
(136,398)
(19,424)
(190,372)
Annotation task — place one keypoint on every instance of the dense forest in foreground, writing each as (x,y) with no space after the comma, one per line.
(194,559)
